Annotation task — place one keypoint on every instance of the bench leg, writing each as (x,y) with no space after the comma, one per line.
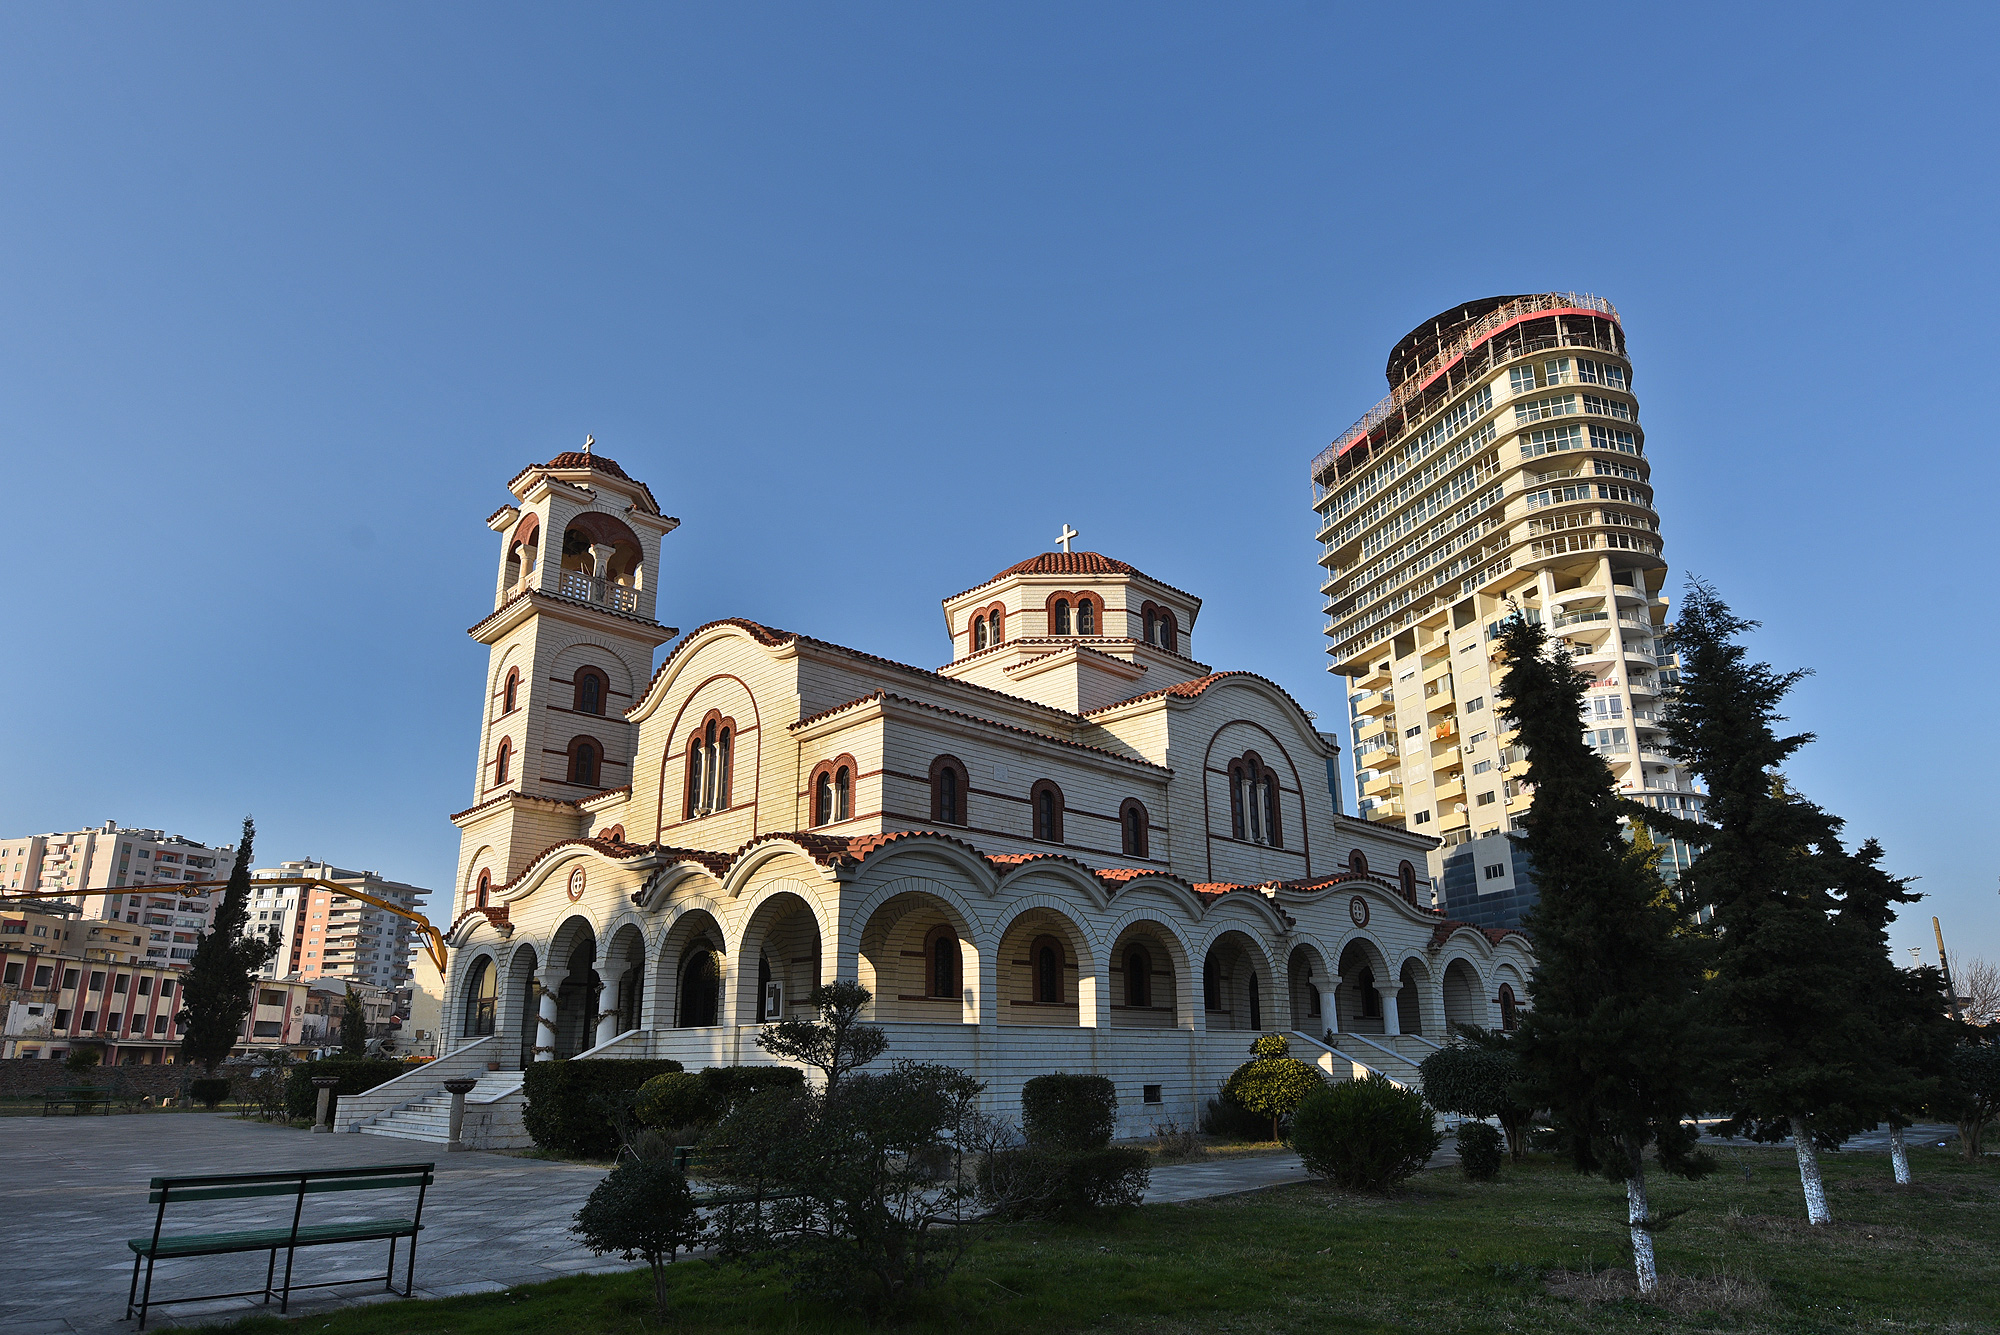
(410,1272)
(291,1254)
(389,1277)
(132,1294)
(146,1298)
(269,1271)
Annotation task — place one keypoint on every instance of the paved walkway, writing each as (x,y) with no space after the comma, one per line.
(491,1221)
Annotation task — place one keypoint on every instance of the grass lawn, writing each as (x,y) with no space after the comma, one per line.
(1441,1255)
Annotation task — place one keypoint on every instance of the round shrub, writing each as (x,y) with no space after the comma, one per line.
(1478,1151)
(1273,1083)
(1476,1081)
(1365,1135)
(209,1091)
(643,1211)
(676,1099)
(1069,1112)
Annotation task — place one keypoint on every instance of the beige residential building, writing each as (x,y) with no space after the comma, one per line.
(152,864)
(322,933)
(1507,468)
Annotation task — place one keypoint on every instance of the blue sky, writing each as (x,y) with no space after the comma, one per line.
(878,298)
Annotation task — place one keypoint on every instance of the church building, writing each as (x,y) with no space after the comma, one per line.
(1074,846)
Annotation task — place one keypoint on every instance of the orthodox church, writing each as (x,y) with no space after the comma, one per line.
(1071,847)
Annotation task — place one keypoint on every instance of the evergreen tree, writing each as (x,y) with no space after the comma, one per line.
(217,992)
(1614,1044)
(353,1026)
(1808,1061)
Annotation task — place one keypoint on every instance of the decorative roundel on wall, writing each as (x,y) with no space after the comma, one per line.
(576,885)
(1357,909)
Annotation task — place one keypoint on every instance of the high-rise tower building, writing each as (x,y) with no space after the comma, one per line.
(1507,468)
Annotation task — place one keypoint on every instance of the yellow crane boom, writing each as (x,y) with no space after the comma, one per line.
(433,938)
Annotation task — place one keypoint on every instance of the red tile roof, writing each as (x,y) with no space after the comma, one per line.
(1074,563)
(570,460)
(879,694)
(1191,689)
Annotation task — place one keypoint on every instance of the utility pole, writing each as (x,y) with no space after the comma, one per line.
(1944,964)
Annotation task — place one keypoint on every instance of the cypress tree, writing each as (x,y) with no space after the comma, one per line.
(1809,1060)
(353,1026)
(1614,1044)
(216,994)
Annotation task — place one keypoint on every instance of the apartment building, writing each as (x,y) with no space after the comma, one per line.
(151,865)
(323,933)
(68,982)
(1507,468)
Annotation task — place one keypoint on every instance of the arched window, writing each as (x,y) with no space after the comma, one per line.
(480,995)
(1371,1000)
(1239,818)
(1138,977)
(996,621)
(1061,626)
(1152,626)
(724,758)
(699,984)
(1170,637)
(1509,1014)
(1047,954)
(1256,1006)
(843,794)
(591,688)
(697,765)
(1253,801)
(1046,800)
(823,800)
(503,761)
(482,893)
(941,962)
(1132,822)
(1357,862)
(1211,984)
(709,765)
(948,791)
(979,640)
(616,834)
(1406,877)
(1086,617)
(510,694)
(584,755)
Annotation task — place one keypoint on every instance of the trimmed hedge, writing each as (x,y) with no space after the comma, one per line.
(729,1085)
(565,1112)
(1043,1183)
(357,1075)
(687,1099)
(1069,1112)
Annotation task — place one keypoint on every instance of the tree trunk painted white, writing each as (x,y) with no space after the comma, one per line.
(1816,1208)
(1899,1156)
(1642,1228)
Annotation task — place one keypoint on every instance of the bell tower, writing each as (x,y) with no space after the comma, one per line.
(570,646)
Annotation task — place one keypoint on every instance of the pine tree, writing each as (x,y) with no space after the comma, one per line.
(1614,1044)
(1808,1062)
(353,1026)
(216,995)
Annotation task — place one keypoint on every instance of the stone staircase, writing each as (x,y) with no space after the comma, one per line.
(429,1118)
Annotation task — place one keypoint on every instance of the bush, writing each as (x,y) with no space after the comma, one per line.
(675,1099)
(209,1091)
(1041,1182)
(357,1075)
(1225,1119)
(1273,1082)
(730,1085)
(1478,1151)
(1365,1135)
(643,1211)
(1069,1112)
(1476,1079)
(567,1100)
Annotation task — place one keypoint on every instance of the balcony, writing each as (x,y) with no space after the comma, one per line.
(1391,810)
(600,593)
(1382,703)
(1378,753)
(1383,785)
(1374,680)
(1449,791)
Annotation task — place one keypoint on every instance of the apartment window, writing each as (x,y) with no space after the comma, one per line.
(1476,702)
(69,978)
(166,987)
(1475,739)
(159,1024)
(1538,409)
(1607,706)
(1617,408)
(1422,818)
(62,1019)
(43,973)
(1495,870)
(1414,732)
(13,974)
(89,1021)
(1484,800)
(1521,380)
(145,987)
(97,981)
(1481,766)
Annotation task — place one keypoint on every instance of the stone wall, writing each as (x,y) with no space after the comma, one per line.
(33,1076)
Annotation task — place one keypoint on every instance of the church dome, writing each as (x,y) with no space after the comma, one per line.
(1067,563)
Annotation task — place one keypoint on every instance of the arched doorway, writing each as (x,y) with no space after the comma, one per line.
(482,998)
(624,971)
(1146,970)
(1364,974)
(1462,1004)
(691,972)
(917,957)
(523,999)
(1235,984)
(781,943)
(1305,979)
(1044,971)
(1413,980)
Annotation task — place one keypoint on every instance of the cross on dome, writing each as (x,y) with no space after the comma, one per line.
(1066,535)
(588,441)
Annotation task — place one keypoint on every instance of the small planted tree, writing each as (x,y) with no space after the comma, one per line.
(353,1026)
(834,1044)
(1475,1078)
(1272,1083)
(1971,1094)
(642,1210)
(218,991)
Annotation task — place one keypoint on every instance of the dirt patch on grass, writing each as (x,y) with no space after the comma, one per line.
(1683,1295)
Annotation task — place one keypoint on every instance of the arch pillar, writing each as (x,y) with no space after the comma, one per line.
(1329,1004)
(548,982)
(607,1009)
(1392,1021)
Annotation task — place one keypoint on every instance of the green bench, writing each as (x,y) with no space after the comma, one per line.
(81,1097)
(286,1237)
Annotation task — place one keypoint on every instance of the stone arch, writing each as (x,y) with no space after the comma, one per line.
(904,953)
(477,1012)
(520,998)
(1367,991)
(780,949)
(1237,986)
(1506,976)
(570,975)
(689,991)
(622,1005)
(1464,995)
(1416,1004)
(1163,1000)
(1023,969)
(486,859)
(1308,984)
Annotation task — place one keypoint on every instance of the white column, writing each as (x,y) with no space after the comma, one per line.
(607,1010)
(1391,1022)
(545,1018)
(1329,1007)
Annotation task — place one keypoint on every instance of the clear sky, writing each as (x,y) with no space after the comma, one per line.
(879,298)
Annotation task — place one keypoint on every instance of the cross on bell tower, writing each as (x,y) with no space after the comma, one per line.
(1065,536)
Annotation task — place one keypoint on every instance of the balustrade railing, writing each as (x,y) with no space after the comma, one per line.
(589,589)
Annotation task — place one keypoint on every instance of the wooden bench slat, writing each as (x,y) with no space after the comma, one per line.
(222,1179)
(264,1239)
